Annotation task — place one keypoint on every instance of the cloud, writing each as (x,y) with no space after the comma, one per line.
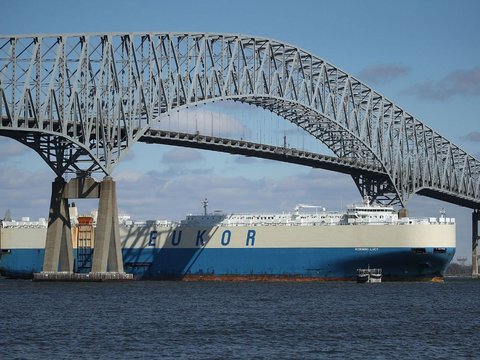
(128,156)
(171,194)
(183,156)
(25,192)
(244,159)
(460,82)
(202,120)
(473,136)
(383,73)
(10,148)
(128,176)
(167,195)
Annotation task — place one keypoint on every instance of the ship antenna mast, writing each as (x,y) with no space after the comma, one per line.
(442,213)
(205,204)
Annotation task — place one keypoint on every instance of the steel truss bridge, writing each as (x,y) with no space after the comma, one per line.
(82,100)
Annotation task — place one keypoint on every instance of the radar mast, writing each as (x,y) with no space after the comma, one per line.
(205,204)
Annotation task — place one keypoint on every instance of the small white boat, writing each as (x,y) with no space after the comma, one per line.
(369,275)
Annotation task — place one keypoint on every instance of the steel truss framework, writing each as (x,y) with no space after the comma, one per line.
(81,100)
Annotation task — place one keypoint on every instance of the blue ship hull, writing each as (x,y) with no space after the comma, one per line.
(253,263)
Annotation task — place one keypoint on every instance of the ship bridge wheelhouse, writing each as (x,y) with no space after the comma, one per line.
(368,213)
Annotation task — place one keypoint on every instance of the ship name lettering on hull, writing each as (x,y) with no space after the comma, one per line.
(177,241)
(200,240)
(225,238)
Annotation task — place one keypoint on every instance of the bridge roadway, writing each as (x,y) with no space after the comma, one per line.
(271,152)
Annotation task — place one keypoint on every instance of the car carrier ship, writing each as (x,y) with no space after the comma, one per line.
(309,243)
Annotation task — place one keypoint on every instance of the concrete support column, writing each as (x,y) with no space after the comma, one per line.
(107,255)
(475,238)
(58,246)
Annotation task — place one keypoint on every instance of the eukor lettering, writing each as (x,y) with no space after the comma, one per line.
(200,241)
(153,237)
(226,236)
(250,238)
(177,241)
(224,240)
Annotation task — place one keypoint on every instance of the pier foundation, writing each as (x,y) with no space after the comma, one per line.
(475,238)
(107,261)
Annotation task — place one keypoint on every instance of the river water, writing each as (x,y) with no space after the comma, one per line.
(239,320)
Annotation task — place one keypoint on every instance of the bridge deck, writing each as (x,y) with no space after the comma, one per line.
(278,153)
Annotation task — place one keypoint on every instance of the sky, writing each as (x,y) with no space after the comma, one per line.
(422,55)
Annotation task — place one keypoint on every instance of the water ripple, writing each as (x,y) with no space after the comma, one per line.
(244,320)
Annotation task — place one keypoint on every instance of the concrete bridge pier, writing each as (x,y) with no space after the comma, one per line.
(107,254)
(58,246)
(107,261)
(475,238)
